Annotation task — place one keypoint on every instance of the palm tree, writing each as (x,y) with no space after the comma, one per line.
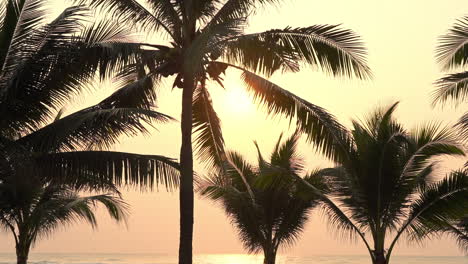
(206,37)
(46,64)
(385,186)
(46,158)
(452,52)
(32,208)
(264,202)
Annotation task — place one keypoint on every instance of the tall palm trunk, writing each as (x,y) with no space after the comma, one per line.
(22,250)
(269,253)
(269,257)
(186,175)
(379,258)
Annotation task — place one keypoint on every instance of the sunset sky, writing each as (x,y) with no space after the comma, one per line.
(401,37)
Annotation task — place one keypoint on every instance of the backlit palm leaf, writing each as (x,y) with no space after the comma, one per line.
(207,128)
(329,48)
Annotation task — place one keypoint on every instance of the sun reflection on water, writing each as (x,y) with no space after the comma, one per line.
(230,259)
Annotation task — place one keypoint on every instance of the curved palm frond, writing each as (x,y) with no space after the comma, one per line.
(460,231)
(132,10)
(327,47)
(452,87)
(207,127)
(21,18)
(3,12)
(463,125)
(453,51)
(125,112)
(453,47)
(438,204)
(146,171)
(92,128)
(235,9)
(169,14)
(67,207)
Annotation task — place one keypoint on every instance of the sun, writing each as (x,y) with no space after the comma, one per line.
(237,100)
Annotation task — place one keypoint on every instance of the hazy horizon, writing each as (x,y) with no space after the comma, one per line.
(401,37)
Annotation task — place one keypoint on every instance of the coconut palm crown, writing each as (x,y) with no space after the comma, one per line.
(206,38)
(263,201)
(386,186)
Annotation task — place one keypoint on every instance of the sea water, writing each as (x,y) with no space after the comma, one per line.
(52,258)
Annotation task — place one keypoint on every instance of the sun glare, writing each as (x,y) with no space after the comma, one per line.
(237,100)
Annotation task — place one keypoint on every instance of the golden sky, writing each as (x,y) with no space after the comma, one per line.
(401,36)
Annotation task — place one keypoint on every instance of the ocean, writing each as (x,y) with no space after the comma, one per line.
(42,258)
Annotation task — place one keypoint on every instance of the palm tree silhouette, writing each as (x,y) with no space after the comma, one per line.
(384,185)
(32,208)
(263,201)
(452,52)
(44,158)
(206,37)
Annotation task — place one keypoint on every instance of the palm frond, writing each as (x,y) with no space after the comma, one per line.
(235,9)
(21,18)
(132,10)
(286,156)
(92,128)
(3,11)
(337,51)
(451,87)
(170,15)
(209,139)
(453,46)
(145,171)
(428,142)
(201,49)
(66,207)
(125,112)
(438,204)
(463,126)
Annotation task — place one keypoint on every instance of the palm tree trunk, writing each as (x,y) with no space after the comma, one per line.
(186,174)
(269,256)
(22,252)
(379,258)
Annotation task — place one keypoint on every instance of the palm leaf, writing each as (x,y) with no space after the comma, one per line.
(438,203)
(329,48)
(451,87)
(62,207)
(120,168)
(463,126)
(132,10)
(207,127)
(125,112)
(453,47)
(21,18)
